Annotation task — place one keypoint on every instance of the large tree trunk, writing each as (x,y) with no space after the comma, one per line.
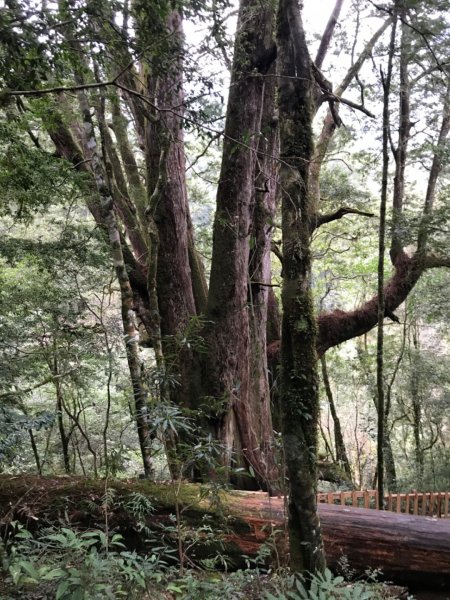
(242,422)
(299,378)
(170,233)
(260,277)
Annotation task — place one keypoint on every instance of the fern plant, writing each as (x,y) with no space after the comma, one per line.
(325,586)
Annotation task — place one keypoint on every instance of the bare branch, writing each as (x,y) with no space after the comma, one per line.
(328,33)
(9,396)
(338,214)
(330,97)
(431,261)
(58,89)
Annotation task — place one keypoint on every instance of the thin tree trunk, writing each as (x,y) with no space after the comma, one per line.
(75,418)
(131,336)
(397,241)
(35,452)
(381,251)
(65,439)
(416,401)
(341,453)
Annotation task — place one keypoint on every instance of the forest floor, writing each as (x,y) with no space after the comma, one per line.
(81,504)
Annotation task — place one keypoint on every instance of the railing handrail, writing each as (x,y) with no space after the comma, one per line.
(416,503)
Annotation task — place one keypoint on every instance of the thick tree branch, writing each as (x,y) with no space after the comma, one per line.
(338,214)
(431,261)
(339,326)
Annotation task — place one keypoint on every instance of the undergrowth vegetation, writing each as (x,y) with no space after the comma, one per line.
(63,564)
(60,562)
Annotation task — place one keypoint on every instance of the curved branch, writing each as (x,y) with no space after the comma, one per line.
(339,326)
(338,214)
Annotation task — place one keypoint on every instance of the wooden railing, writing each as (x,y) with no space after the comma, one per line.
(432,504)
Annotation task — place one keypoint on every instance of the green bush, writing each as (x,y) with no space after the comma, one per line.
(67,565)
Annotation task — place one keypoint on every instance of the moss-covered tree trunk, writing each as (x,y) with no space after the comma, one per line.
(299,378)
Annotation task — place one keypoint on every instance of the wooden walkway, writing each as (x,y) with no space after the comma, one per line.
(427,504)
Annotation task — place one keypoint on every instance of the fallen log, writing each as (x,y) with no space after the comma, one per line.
(408,549)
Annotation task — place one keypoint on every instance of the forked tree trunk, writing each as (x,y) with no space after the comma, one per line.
(242,423)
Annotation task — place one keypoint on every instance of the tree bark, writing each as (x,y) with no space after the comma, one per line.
(242,423)
(299,378)
(165,162)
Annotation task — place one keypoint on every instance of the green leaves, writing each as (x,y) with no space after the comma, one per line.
(72,565)
(325,586)
(31,179)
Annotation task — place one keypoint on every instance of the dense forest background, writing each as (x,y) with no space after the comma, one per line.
(224,255)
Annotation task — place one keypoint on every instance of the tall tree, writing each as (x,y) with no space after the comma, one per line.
(299,380)
(123,131)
